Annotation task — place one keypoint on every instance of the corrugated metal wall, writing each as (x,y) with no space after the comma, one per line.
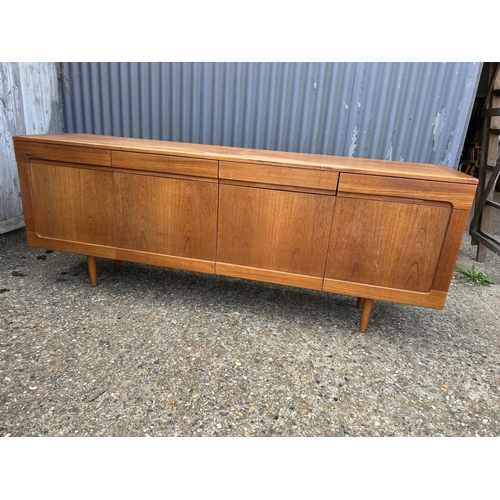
(401,111)
(29,104)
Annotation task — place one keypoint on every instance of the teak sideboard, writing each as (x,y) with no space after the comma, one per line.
(372,229)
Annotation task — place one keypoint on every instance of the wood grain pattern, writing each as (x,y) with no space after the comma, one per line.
(166,216)
(365,314)
(27,150)
(156,259)
(435,299)
(224,153)
(269,276)
(278,230)
(458,195)
(451,247)
(37,241)
(392,232)
(73,203)
(191,167)
(323,179)
(29,99)
(92,268)
(278,187)
(27,195)
(391,245)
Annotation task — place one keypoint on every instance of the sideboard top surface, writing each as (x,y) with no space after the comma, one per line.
(390,168)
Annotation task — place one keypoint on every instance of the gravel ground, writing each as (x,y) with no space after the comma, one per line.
(158,352)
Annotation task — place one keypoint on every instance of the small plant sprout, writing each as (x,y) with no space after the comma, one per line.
(473,276)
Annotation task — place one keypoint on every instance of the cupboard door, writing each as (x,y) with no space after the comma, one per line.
(392,244)
(166,216)
(283,233)
(73,204)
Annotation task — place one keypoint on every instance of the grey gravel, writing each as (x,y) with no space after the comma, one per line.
(159,352)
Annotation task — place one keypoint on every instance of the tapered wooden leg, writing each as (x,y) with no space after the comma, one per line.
(92,265)
(118,264)
(359,304)
(365,314)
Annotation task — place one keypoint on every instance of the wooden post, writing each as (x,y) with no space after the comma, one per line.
(118,264)
(92,265)
(365,314)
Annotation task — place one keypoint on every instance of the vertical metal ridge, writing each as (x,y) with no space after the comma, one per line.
(401,111)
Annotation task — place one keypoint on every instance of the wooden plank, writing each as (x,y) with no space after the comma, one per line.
(451,247)
(192,167)
(495,103)
(492,149)
(493,204)
(273,187)
(172,261)
(487,240)
(268,276)
(245,155)
(26,151)
(29,101)
(11,122)
(25,184)
(435,299)
(386,244)
(274,230)
(166,216)
(11,224)
(37,241)
(481,219)
(491,112)
(458,195)
(485,218)
(286,175)
(40,98)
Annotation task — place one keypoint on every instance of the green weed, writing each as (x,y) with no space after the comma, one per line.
(473,276)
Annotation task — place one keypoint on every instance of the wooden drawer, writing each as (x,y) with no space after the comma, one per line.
(177,165)
(28,150)
(323,179)
(458,195)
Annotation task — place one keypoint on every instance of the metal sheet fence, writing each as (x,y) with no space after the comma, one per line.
(401,111)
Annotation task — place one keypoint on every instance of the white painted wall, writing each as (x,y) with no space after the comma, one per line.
(29,104)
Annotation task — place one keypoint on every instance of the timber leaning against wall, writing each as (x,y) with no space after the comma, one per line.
(29,104)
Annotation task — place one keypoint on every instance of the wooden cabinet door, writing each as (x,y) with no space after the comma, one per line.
(273,235)
(73,204)
(166,221)
(387,243)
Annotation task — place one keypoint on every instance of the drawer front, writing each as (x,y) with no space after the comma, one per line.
(176,165)
(27,150)
(458,195)
(280,175)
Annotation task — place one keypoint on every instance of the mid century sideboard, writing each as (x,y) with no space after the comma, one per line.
(373,229)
